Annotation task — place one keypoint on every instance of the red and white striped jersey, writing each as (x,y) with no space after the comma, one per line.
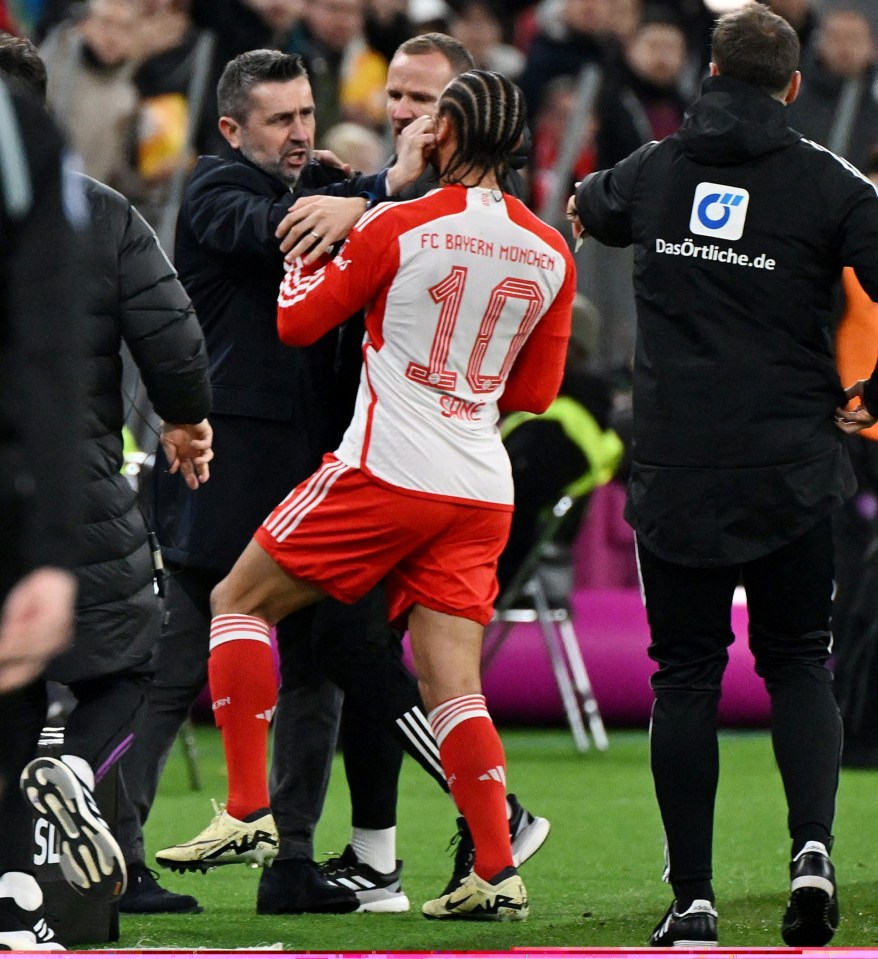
(468,298)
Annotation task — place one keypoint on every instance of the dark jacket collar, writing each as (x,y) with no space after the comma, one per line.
(314,175)
(732,122)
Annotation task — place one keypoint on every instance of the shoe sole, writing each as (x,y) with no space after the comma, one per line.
(255,859)
(398,903)
(91,860)
(335,909)
(811,918)
(531,840)
(506,916)
(689,944)
(26,942)
(261,856)
(189,911)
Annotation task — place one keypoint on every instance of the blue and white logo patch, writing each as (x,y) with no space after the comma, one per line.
(719,211)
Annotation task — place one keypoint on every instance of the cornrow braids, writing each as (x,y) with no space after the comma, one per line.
(488,114)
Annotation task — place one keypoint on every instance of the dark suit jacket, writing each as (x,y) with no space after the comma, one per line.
(274,412)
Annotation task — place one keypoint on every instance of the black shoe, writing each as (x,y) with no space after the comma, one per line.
(527,833)
(145,895)
(812,912)
(376,891)
(695,927)
(464,856)
(23,929)
(297,885)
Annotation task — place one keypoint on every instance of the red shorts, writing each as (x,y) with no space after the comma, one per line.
(344,532)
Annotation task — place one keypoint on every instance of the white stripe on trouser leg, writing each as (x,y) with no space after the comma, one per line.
(233,626)
(445,717)
(422,739)
(639,573)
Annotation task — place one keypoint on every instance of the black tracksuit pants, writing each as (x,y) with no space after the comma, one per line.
(22,714)
(689,611)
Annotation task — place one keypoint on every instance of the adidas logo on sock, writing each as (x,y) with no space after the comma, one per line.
(497,774)
(267,715)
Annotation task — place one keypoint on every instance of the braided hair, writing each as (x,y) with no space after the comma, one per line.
(488,113)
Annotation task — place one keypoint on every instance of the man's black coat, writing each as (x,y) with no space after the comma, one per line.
(275,412)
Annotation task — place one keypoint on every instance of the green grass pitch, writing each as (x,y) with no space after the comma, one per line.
(596,882)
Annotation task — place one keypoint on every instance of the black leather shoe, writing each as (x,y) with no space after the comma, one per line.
(693,928)
(145,895)
(297,885)
(811,917)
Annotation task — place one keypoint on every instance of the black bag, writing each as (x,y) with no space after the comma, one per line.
(76,920)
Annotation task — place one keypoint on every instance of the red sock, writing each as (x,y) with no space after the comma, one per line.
(475,767)
(243,690)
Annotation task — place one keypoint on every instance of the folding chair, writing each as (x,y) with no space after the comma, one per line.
(534,596)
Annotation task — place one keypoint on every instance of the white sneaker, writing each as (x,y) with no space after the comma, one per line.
(23,926)
(504,900)
(91,860)
(225,841)
(376,891)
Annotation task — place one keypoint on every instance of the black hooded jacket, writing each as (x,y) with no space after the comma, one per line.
(740,228)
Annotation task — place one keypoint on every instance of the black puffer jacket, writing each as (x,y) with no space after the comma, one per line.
(132,295)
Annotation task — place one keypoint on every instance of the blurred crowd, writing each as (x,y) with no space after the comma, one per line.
(132,81)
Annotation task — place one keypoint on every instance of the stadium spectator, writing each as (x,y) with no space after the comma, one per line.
(347,75)
(357,146)
(577,37)
(552,126)
(643,100)
(625,17)
(477,26)
(174,119)
(837,106)
(734,476)
(387,25)
(91,94)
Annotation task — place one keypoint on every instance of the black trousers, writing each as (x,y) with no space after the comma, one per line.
(689,611)
(22,714)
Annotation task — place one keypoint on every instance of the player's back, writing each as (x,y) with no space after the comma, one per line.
(475,275)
